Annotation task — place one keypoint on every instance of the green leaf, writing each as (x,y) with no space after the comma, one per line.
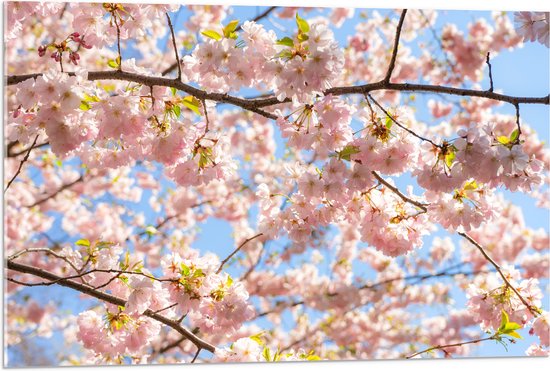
(503,140)
(504,320)
(112,63)
(470,186)
(192,103)
(177,110)
(185,269)
(450,158)
(258,338)
(514,136)
(174,91)
(347,151)
(212,34)
(514,334)
(85,106)
(83,242)
(286,41)
(511,326)
(229,30)
(205,156)
(302,37)
(151,231)
(389,122)
(303,26)
(267,354)
(229,281)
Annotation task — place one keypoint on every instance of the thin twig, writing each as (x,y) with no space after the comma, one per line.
(53,195)
(532,309)
(88,290)
(395,46)
(15,154)
(490,71)
(442,347)
(399,124)
(196,355)
(237,250)
(517,141)
(255,105)
(259,16)
(21,164)
(175,46)
(118,46)
(395,190)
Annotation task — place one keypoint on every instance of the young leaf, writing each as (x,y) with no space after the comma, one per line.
(177,110)
(470,186)
(347,151)
(230,28)
(150,230)
(83,242)
(267,354)
(258,338)
(514,136)
(503,140)
(286,41)
(85,106)
(212,34)
(112,63)
(302,37)
(303,26)
(192,103)
(504,319)
(389,122)
(449,159)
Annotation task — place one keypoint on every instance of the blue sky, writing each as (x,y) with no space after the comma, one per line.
(524,71)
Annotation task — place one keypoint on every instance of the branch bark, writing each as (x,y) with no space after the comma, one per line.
(88,290)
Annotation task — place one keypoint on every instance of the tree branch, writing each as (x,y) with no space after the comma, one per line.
(53,195)
(237,250)
(442,347)
(395,190)
(533,310)
(395,46)
(21,164)
(490,71)
(368,96)
(88,290)
(178,64)
(255,105)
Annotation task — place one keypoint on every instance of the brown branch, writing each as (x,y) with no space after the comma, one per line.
(237,250)
(88,290)
(490,71)
(19,153)
(517,141)
(21,164)
(259,16)
(418,277)
(535,311)
(44,250)
(255,105)
(395,46)
(178,64)
(442,347)
(53,195)
(368,96)
(119,67)
(196,355)
(395,190)
(239,27)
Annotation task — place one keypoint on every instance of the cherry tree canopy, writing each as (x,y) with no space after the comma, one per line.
(368,179)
